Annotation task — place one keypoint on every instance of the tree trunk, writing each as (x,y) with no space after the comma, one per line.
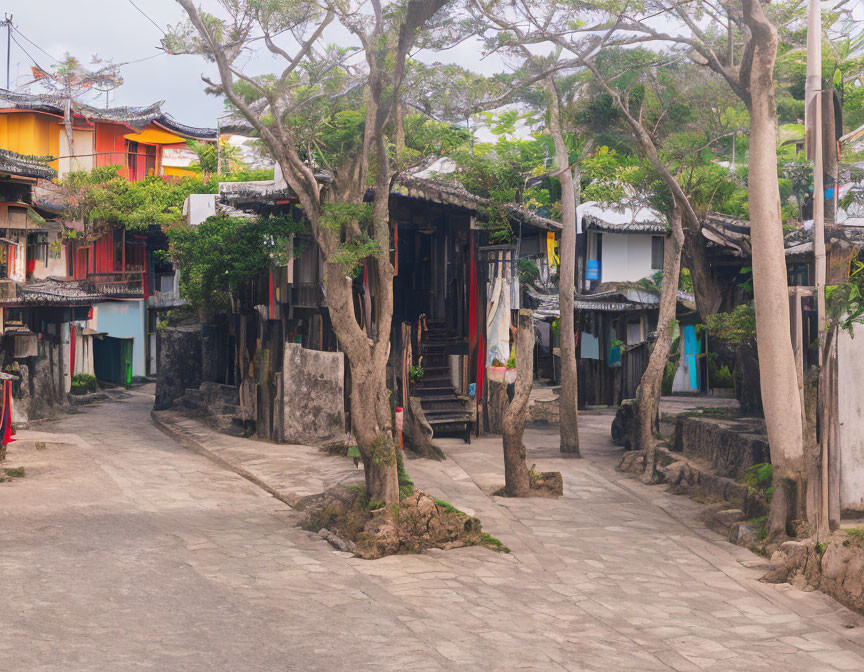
(648,392)
(708,292)
(370,409)
(517,481)
(781,397)
(569,409)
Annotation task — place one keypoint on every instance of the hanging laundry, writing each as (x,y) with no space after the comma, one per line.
(498,318)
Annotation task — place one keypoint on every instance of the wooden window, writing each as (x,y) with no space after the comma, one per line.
(657,252)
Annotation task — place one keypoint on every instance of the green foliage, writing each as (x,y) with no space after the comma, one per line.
(17,472)
(221,253)
(449,508)
(209,156)
(528,271)
(736,327)
(415,374)
(491,542)
(105,197)
(844,302)
(719,374)
(856,534)
(350,255)
(759,475)
(498,172)
(83,383)
(406,485)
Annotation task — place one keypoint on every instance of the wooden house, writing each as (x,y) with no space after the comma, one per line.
(446,269)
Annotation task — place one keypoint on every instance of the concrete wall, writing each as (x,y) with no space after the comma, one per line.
(124,319)
(314,396)
(850,365)
(626,257)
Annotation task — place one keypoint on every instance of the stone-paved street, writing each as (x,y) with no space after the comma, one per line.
(123,550)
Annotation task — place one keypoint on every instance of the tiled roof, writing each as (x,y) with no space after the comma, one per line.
(50,293)
(25,166)
(629,216)
(135,117)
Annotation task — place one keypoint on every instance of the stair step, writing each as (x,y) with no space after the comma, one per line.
(448,416)
(443,406)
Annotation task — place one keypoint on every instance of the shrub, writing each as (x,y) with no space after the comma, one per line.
(82,383)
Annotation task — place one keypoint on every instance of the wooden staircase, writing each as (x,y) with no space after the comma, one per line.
(445,411)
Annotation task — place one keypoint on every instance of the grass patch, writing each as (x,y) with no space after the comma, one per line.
(449,508)
(18,472)
(762,523)
(489,541)
(854,537)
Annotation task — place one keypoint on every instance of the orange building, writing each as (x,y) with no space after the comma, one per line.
(114,270)
(134,138)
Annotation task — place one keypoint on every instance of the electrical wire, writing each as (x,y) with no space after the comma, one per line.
(146,16)
(53,58)
(29,55)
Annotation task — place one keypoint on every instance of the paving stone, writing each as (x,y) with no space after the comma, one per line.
(122,549)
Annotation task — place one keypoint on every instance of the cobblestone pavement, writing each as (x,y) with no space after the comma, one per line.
(122,550)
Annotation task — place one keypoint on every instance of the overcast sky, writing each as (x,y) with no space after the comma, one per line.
(117,31)
(114,30)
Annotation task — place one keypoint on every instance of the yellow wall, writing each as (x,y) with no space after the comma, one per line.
(174,171)
(30,133)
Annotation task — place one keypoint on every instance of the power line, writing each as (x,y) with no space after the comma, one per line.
(53,58)
(29,55)
(146,16)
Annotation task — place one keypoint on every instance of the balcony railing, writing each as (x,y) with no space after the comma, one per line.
(129,284)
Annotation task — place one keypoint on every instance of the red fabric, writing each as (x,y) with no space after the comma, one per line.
(6,432)
(72,331)
(475,329)
(271,295)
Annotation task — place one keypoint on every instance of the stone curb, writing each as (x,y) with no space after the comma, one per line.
(190,441)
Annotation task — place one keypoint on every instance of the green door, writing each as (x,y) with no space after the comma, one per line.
(112,360)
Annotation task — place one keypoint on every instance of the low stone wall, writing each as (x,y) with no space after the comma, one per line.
(313,383)
(836,568)
(179,364)
(728,446)
(38,393)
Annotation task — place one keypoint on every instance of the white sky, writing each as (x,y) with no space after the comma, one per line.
(116,31)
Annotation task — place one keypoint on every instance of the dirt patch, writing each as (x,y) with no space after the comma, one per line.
(543,484)
(373,530)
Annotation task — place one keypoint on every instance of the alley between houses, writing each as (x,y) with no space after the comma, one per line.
(124,549)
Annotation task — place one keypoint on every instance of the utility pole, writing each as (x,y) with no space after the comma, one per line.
(219,145)
(7,21)
(813,124)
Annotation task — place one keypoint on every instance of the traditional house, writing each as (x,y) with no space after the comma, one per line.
(38,316)
(619,251)
(448,281)
(119,267)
